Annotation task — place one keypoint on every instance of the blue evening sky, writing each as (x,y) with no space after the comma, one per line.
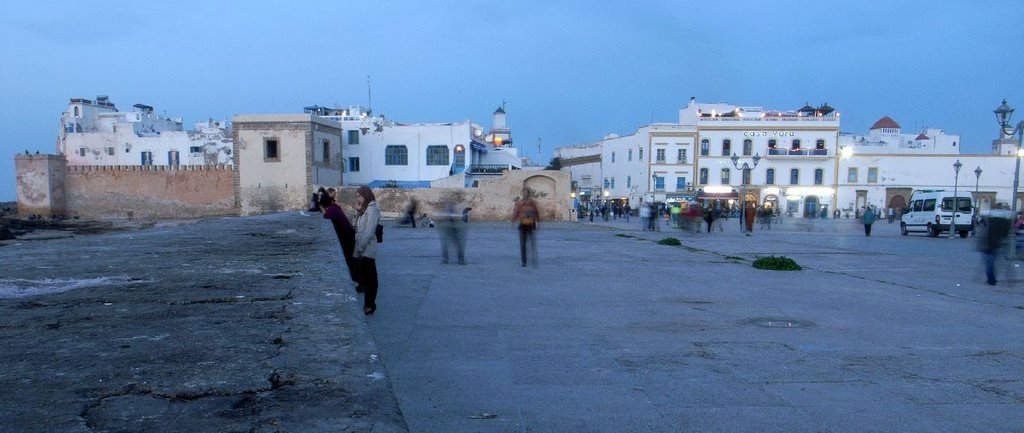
(570,71)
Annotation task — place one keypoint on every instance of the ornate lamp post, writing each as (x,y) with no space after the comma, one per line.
(1003,115)
(743,184)
(977,179)
(952,222)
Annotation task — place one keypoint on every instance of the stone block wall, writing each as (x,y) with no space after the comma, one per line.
(149,192)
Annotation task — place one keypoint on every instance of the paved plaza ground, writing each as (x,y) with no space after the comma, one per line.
(247,324)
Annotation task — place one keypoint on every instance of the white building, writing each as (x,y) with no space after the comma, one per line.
(96,133)
(691,161)
(379,152)
(804,165)
(884,167)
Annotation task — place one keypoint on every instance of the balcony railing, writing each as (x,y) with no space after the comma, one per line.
(804,152)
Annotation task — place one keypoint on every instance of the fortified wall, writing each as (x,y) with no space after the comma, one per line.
(47,186)
(492,199)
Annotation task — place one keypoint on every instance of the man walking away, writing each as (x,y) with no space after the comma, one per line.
(868,218)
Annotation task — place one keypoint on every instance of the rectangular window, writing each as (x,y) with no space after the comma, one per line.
(681,156)
(437,154)
(929,205)
(629,181)
(794,177)
(271,152)
(851,175)
(172,158)
(629,156)
(703,176)
(110,151)
(659,183)
(460,156)
(748,146)
(680,183)
(353,163)
(725,176)
(327,151)
(195,150)
(147,158)
(660,155)
(81,151)
(726,147)
(769,176)
(396,154)
(641,154)
(613,157)
(612,184)
(353,136)
(704,145)
(585,180)
(872,174)
(746,177)
(819,176)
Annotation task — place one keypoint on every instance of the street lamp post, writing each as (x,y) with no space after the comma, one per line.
(952,222)
(1003,115)
(743,185)
(977,179)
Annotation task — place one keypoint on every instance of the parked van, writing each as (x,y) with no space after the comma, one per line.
(931,211)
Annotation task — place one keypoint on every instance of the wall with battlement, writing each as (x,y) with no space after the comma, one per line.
(148,192)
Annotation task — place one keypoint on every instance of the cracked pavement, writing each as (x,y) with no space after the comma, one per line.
(219,325)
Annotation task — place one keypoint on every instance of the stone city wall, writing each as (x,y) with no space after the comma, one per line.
(492,200)
(149,192)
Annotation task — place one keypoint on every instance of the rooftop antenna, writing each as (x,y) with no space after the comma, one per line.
(369,96)
(538,149)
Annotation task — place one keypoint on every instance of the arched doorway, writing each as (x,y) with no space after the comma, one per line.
(899,203)
(810,206)
(771,202)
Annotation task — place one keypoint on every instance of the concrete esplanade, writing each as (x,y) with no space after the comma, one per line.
(251,324)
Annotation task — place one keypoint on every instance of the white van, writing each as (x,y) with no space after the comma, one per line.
(931,211)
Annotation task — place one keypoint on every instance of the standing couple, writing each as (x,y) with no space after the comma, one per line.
(358,242)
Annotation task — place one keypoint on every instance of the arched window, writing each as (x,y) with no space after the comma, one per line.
(704,145)
(726,147)
(796,144)
(769,176)
(748,147)
(794,176)
(819,176)
(704,176)
(76,111)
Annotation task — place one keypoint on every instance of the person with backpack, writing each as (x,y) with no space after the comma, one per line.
(526,215)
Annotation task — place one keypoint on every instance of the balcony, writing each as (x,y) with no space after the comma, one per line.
(797,152)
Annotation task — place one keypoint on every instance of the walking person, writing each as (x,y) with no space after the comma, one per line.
(627,211)
(892,215)
(868,218)
(450,224)
(645,217)
(709,217)
(346,236)
(367,218)
(526,215)
(990,243)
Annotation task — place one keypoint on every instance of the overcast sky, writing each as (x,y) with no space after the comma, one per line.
(570,71)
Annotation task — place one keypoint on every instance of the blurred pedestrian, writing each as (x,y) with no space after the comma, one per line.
(410,211)
(709,217)
(315,205)
(367,219)
(527,216)
(868,218)
(994,233)
(645,217)
(346,235)
(627,211)
(452,230)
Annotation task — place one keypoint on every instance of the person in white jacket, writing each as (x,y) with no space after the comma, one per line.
(367,218)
